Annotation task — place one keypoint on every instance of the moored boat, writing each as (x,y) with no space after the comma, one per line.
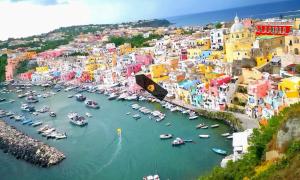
(38,123)
(76,119)
(52,114)
(200,126)
(88,114)
(165,136)
(214,125)
(80,97)
(92,104)
(136,116)
(225,134)
(177,142)
(219,151)
(204,135)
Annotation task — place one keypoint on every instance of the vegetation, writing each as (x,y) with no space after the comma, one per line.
(152,23)
(3,63)
(218,25)
(298,68)
(259,145)
(25,66)
(135,41)
(78,54)
(242,89)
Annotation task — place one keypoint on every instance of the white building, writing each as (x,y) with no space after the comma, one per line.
(217,38)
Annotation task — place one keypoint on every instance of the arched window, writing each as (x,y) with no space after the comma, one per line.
(296,51)
(237,36)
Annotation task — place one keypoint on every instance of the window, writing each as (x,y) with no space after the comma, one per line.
(243,35)
(296,51)
(273,29)
(284,30)
(276,30)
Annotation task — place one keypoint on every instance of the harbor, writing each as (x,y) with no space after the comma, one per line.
(101,151)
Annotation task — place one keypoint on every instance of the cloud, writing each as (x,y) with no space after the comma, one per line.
(42,2)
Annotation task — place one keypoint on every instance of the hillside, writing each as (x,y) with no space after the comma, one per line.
(273,152)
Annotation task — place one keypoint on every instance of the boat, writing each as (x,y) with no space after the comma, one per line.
(60,136)
(18,117)
(38,123)
(31,99)
(219,151)
(80,97)
(21,95)
(26,121)
(160,118)
(2,99)
(52,114)
(214,125)
(112,96)
(76,119)
(44,128)
(30,123)
(48,131)
(11,101)
(193,116)
(188,140)
(88,114)
(150,177)
(128,113)
(200,126)
(136,116)
(225,134)
(28,108)
(204,135)
(44,109)
(122,96)
(177,142)
(135,106)
(70,96)
(165,136)
(229,137)
(168,124)
(35,113)
(91,104)
(204,127)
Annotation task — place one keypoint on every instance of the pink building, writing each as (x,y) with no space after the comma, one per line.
(50,54)
(133,68)
(259,88)
(144,59)
(132,86)
(25,76)
(10,68)
(225,79)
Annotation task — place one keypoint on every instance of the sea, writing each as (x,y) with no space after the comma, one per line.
(97,152)
(285,9)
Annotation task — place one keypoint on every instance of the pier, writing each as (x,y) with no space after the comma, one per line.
(24,147)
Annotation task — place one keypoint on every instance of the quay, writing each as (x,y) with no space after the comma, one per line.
(24,147)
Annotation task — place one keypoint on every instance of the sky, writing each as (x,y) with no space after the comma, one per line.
(21,18)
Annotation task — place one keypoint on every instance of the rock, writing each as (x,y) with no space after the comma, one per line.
(24,147)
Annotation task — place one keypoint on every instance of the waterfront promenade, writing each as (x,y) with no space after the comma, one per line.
(246,121)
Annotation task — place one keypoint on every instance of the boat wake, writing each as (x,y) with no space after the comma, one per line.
(114,155)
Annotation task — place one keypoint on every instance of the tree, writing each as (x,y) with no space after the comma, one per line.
(3,63)
(218,25)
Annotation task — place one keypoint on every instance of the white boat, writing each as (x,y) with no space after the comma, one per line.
(48,131)
(44,109)
(112,96)
(60,136)
(92,104)
(11,101)
(168,124)
(160,118)
(214,125)
(204,127)
(150,177)
(225,134)
(135,106)
(52,114)
(77,119)
(70,96)
(128,113)
(38,123)
(177,142)
(165,136)
(136,116)
(193,116)
(229,137)
(204,135)
(88,114)
(200,126)
(44,128)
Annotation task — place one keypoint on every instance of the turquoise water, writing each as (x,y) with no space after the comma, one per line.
(96,152)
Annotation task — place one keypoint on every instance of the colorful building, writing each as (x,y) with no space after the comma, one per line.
(273,27)
(290,87)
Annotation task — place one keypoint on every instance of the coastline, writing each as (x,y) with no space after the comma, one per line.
(237,121)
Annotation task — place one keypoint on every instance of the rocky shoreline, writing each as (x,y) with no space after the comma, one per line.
(24,147)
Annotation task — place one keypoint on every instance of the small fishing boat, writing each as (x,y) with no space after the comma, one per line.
(44,109)
(44,128)
(204,127)
(214,125)
(150,177)
(11,101)
(219,151)
(165,136)
(204,135)
(200,126)
(2,99)
(188,140)
(92,104)
(112,96)
(21,95)
(28,108)
(32,99)
(229,137)
(177,142)
(88,114)
(136,116)
(80,97)
(38,123)
(160,118)
(60,136)
(128,113)
(225,134)
(76,119)
(193,116)
(26,121)
(70,96)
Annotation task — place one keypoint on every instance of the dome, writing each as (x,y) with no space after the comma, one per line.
(237,26)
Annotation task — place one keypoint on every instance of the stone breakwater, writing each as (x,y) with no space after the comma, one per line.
(24,147)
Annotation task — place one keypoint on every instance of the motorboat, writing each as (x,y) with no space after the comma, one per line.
(61,136)
(44,128)
(177,142)
(112,96)
(193,116)
(52,114)
(150,177)
(2,99)
(28,108)
(122,96)
(88,114)
(11,101)
(165,136)
(219,151)
(48,131)
(44,109)
(70,96)
(214,125)
(135,106)
(18,117)
(229,137)
(160,118)
(26,121)
(92,104)
(204,135)
(80,97)
(128,113)
(31,99)
(225,134)
(204,127)
(76,119)
(200,126)
(21,95)
(136,116)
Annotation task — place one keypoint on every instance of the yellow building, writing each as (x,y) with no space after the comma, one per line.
(239,42)
(290,86)
(204,43)
(292,43)
(183,95)
(248,75)
(193,53)
(125,49)
(261,60)
(297,24)
(158,70)
(203,69)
